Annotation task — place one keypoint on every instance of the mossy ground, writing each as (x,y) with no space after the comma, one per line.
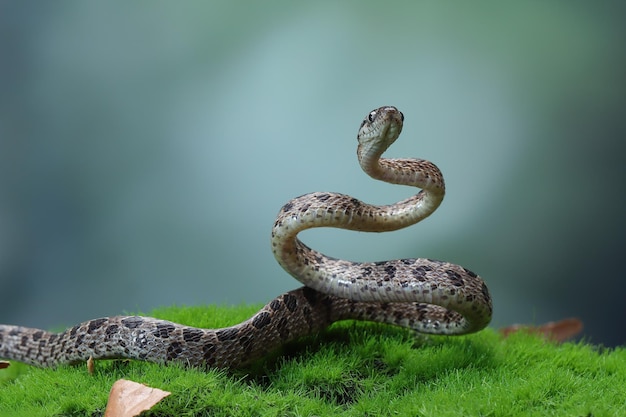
(353,369)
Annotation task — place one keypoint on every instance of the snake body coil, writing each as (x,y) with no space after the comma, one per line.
(422,294)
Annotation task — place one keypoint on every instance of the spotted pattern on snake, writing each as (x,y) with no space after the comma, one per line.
(422,294)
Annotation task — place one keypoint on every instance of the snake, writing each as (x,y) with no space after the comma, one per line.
(425,295)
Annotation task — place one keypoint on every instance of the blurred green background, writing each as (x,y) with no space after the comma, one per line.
(146,147)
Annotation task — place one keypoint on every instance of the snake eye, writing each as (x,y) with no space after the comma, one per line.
(371,116)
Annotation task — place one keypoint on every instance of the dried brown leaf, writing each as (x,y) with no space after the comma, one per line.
(558,331)
(128,398)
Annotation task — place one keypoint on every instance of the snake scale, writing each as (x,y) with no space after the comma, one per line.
(422,294)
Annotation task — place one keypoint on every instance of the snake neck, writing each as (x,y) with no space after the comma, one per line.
(320,209)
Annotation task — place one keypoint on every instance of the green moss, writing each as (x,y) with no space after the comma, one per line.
(354,369)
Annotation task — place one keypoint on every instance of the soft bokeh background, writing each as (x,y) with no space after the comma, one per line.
(146,147)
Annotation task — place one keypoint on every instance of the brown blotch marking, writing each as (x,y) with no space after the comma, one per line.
(290,302)
(192,335)
(132,322)
(96,324)
(74,329)
(227,334)
(261,320)
(390,270)
(419,273)
(37,335)
(208,352)
(450,316)
(111,329)
(275,304)
(163,330)
(79,340)
(174,350)
(455,277)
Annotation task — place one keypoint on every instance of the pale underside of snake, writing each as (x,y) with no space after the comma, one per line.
(425,295)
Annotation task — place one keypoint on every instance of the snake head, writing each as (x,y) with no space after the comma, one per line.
(380,128)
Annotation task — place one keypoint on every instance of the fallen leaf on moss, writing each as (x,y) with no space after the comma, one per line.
(128,398)
(4,364)
(558,331)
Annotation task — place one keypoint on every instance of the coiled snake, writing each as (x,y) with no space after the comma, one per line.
(422,294)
